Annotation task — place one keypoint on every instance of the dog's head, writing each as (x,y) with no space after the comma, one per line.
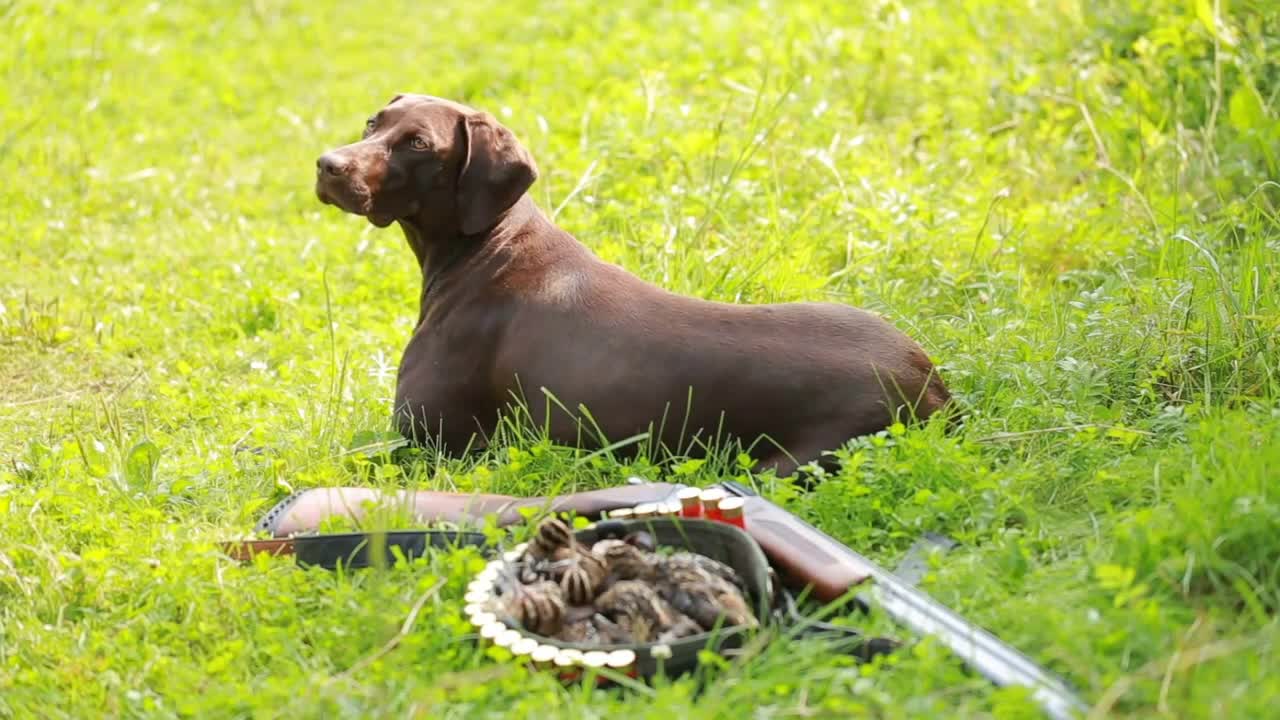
(422,155)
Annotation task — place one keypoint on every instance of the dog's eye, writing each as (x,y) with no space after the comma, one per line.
(368,125)
(418,143)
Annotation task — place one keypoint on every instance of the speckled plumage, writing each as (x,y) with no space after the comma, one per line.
(537,607)
(643,614)
(550,551)
(619,591)
(695,585)
(583,577)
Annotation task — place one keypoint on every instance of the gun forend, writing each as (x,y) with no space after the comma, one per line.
(806,557)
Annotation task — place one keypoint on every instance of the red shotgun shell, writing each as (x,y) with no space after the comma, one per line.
(690,502)
(731,511)
(711,503)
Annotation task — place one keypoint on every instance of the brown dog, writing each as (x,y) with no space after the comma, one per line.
(515,310)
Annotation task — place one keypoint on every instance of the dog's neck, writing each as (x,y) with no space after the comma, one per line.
(430,244)
(440,246)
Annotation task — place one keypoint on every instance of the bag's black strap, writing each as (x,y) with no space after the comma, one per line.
(359,550)
(911,570)
(846,639)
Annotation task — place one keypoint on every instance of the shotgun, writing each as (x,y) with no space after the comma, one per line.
(807,560)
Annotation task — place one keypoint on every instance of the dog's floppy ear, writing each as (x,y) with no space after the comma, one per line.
(496,171)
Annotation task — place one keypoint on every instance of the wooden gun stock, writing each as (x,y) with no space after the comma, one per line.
(304,511)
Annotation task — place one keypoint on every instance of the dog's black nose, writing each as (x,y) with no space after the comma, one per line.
(328,164)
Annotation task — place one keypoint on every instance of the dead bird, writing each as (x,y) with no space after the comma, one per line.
(697,586)
(601,547)
(538,607)
(555,553)
(643,614)
(582,632)
(549,551)
(552,540)
(550,535)
(687,562)
(641,539)
(595,629)
(583,576)
(707,565)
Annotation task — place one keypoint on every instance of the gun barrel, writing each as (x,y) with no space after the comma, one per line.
(996,660)
(832,569)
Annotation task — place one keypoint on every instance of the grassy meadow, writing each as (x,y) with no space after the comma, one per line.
(1072,205)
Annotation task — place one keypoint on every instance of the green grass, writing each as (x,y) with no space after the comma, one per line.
(1072,205)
